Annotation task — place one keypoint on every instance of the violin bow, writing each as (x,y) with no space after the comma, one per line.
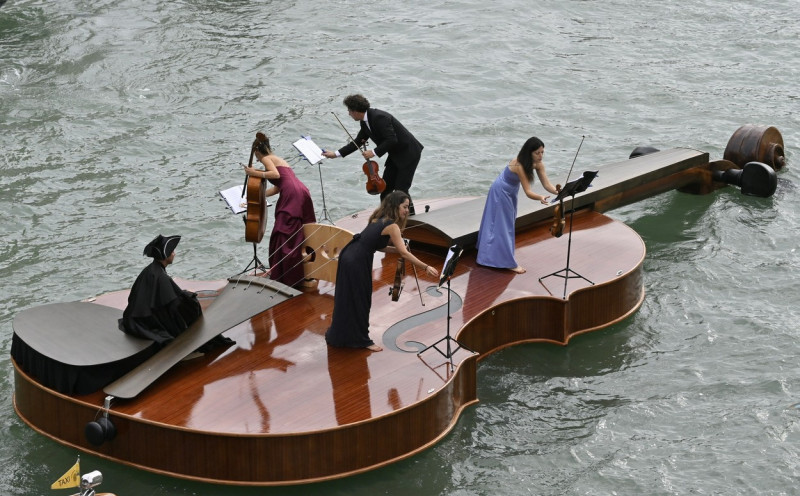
(583,137)
(416,278)
(558,213)
(249,164)
(348,133)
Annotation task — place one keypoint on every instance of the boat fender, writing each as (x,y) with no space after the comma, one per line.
(755,179)
(100,430)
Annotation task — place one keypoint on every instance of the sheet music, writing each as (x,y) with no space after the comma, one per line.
(308,149)
(236,199)
(453,255)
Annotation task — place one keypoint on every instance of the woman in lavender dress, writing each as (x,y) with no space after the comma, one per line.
(496,235)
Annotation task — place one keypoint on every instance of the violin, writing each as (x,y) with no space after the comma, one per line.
(375,183)
(557,229)
(399,274)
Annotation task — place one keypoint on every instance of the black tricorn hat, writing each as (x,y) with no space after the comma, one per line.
(161,247)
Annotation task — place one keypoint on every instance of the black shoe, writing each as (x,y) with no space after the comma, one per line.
(411,209)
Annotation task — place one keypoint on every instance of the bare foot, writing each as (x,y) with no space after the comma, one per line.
(374,347)
(519,270)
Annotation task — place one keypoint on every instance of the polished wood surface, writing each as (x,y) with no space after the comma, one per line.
(284,407)
(242,298)
(752,143)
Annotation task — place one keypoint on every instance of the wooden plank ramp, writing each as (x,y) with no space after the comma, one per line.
(459,223)
(243,298)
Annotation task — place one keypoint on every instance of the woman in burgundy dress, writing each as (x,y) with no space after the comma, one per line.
(293,209)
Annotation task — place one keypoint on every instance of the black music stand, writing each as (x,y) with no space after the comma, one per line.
(255,263)
(322,188)
(447,271)
(571,189)
(311,152)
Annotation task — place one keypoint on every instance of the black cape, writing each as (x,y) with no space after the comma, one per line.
(158,309)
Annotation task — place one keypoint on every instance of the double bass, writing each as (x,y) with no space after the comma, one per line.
(255,219)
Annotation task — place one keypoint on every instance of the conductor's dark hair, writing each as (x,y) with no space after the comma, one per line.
(357,102)
(524,156)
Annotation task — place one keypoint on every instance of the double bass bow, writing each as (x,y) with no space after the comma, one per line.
(559,220)
(375,183)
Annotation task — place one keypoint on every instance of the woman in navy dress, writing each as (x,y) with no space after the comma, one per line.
(352,300)
(293,209)
(496,235)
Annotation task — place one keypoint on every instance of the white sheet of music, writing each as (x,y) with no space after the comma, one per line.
(453,255)
(308,149)
(236,200)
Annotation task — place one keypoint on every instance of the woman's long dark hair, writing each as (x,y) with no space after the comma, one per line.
(390,208)
(261,144)
(524,156)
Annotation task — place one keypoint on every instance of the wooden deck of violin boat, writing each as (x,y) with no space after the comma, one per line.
(281,407)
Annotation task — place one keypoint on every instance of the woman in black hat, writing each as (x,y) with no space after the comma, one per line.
(159,309)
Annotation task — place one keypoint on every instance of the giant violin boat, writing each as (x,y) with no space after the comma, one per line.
(281,407)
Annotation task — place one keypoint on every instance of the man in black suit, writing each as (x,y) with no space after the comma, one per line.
(389,136)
